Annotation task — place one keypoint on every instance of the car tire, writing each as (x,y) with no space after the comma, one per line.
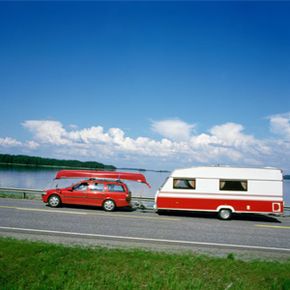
(109,205)
(225,214)
(54,201)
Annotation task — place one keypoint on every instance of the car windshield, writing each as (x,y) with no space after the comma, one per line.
(63,183)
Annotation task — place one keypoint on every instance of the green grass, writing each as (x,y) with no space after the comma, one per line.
(35,265)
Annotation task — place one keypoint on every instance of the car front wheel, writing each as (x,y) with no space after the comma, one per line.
(54,201)
(109,205)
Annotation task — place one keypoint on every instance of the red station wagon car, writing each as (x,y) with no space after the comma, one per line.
(102,188)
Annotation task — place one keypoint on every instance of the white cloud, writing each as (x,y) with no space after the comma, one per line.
(89,135)
(9,142)
(31,145)
(173,129)
(225,144)
(230,134)
(45,131)
(225,141)
(280,125)
(229,142)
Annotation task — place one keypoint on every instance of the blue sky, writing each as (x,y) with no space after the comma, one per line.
(147,84)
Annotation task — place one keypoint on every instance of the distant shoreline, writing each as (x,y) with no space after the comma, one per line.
(144,170)
(73,167)
(35,161)
(43,162)
(47,166)
(285,177)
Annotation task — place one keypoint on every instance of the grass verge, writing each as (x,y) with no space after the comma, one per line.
(35,265)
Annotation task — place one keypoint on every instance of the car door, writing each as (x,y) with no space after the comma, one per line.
(76,194)
(117,193)
(96,193)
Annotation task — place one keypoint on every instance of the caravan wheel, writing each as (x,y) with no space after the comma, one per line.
(225,214)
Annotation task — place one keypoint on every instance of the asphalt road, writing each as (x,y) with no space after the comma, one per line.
(251,236)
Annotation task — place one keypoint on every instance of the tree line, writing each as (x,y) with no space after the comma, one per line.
(39,161)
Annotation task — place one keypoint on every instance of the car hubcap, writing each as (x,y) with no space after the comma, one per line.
(225,214)
(54,201)
(109,205)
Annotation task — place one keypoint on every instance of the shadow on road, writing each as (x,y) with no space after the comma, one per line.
(212,215)
(207,215)
(98,208)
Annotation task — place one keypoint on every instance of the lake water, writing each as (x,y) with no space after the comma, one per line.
(42,178)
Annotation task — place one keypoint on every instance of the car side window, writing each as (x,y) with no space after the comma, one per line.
(97,187)
(81,187)
(115,188)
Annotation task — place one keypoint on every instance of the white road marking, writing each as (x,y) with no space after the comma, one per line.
(44,210)
(51,211)
(147,239)
(111,214)
(273,227)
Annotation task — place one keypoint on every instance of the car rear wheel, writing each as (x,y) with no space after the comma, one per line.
(54,201)
(225,214)
(109,205)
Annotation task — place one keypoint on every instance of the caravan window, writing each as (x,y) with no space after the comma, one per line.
(183,183)
(234,185)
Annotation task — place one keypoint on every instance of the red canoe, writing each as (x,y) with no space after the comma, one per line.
(138,177)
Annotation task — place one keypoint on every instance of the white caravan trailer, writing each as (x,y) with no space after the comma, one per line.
(224,190)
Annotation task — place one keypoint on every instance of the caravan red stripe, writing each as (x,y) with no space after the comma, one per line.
(213,204)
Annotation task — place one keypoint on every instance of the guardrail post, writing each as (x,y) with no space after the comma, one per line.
(24,195)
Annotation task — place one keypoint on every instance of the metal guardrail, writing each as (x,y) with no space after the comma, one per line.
(26,192)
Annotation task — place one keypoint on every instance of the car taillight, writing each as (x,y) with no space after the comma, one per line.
(128,198)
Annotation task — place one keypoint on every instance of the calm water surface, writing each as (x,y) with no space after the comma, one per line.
(42,178)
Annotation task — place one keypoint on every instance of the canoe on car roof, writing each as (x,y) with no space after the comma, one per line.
(98,174)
